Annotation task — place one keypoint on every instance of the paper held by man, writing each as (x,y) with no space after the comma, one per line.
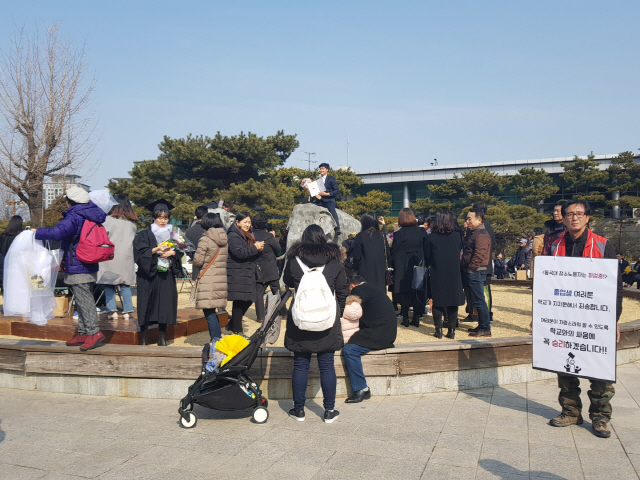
(315,187)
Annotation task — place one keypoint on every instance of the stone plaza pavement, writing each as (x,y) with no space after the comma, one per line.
(497,432)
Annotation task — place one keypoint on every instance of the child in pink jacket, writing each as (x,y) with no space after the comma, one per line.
(350,320)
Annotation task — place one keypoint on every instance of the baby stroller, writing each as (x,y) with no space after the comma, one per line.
(231,388)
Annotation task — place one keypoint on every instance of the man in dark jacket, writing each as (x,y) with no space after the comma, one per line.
(475,260)
(267,274)
(580,241)
(378,330)
(490,273)
(193,234)
(554,228)
(499,267)
(622,263)
(328,197)
(523,255)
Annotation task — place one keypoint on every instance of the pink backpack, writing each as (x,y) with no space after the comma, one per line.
(94,245)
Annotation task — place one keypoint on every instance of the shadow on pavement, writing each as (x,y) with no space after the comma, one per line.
(469,378)
(2,434)
(504,471)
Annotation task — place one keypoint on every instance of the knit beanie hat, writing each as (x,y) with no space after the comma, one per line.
(77,194)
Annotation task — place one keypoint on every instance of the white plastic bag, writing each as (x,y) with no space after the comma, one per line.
(30,272)
(103,199)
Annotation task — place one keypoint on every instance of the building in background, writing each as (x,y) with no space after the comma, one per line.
(58,184)
(407,185)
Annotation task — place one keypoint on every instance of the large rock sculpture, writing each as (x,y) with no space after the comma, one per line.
(308,214)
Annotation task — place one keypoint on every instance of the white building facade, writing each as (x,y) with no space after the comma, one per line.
(58,184)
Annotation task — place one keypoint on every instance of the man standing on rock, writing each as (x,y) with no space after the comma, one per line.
(328,197)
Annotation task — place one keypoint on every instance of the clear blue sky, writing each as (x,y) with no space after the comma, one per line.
(409,81)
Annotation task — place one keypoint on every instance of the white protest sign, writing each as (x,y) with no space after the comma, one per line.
(574,316)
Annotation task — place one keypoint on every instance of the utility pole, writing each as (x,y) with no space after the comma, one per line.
(347,150)
(309,161)
(14,203)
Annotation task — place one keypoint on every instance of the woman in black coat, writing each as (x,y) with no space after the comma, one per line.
(267,274)
(407,251)
(370,252)
(315,251)
(443,257)
(157,293)
(241,269)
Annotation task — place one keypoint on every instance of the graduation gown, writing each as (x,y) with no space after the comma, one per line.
(157,291)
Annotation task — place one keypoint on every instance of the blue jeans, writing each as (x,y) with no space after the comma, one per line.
(213,323)
(352,353)
(300,379)
(110,298)
(476,281)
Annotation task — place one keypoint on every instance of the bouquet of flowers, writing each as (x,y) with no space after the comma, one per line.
(181,242)
(176,241)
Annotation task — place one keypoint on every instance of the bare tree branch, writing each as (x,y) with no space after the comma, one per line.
(46,126)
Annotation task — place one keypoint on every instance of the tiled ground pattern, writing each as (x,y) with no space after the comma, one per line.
(497,432)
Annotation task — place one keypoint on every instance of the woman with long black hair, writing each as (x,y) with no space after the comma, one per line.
(241,268)
(370,252)
(315,252)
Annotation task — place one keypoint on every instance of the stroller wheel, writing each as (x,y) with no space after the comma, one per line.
(260,415)
(190,420)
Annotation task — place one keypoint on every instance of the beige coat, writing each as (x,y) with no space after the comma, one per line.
(212,287)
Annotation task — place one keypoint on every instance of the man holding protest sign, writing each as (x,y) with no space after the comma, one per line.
(586,304)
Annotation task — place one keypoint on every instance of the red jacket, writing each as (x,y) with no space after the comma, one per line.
(594,248)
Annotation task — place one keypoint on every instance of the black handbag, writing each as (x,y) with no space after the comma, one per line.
(419,275)
(388,273)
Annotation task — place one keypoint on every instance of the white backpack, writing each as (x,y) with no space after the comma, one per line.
(314,308)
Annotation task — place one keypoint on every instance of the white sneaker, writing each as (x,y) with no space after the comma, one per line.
(113,316)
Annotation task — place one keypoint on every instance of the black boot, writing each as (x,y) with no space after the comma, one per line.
(416,321)
(405,320)
(143,337)
(451,333)
(438,333)
(161,340)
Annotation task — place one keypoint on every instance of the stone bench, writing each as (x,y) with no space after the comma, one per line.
(166,372)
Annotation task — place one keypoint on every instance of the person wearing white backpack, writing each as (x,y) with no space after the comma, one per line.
(314,269)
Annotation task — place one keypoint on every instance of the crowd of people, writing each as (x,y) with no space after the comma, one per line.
(375,279)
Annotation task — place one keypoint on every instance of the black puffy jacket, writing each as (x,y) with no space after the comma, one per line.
(241,266)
